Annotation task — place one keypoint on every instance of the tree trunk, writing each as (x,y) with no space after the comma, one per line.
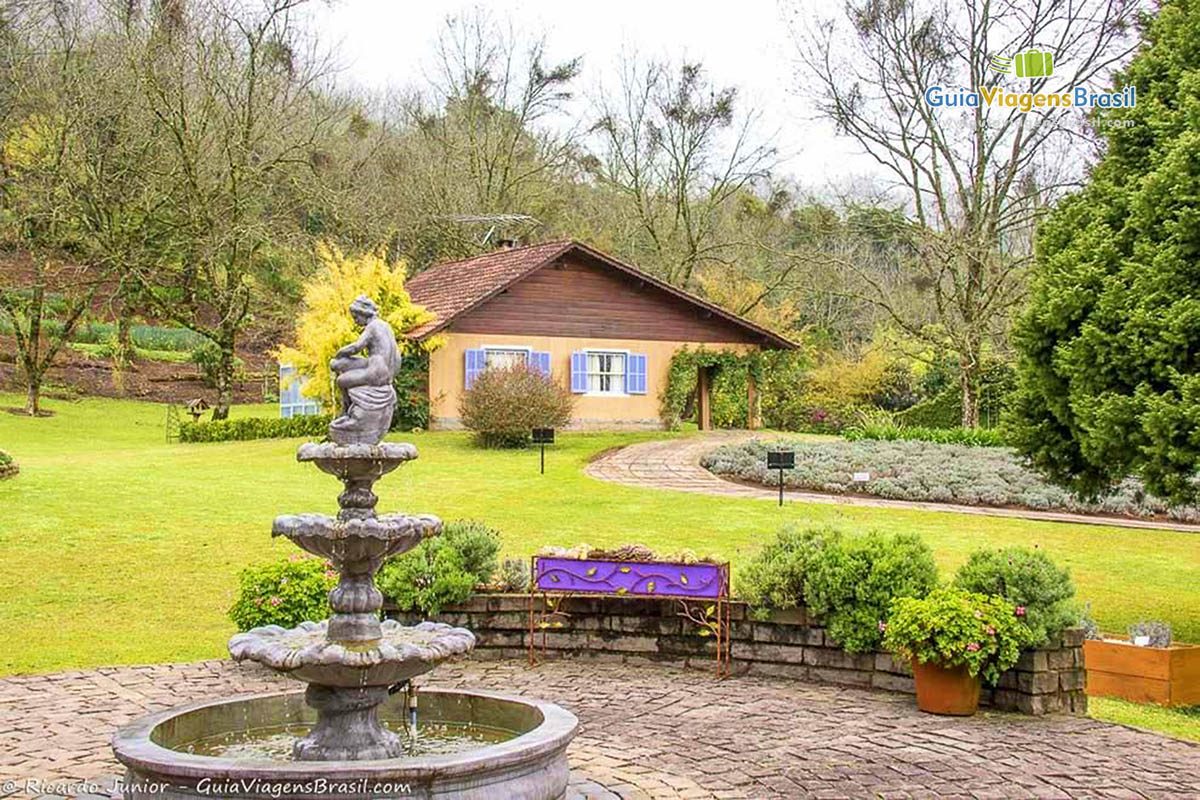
(124,352)
(33,395)
(970,399)
(225,377)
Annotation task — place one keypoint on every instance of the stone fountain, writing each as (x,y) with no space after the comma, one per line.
(346,736)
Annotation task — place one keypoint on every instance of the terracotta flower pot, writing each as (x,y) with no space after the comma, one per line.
(946,690)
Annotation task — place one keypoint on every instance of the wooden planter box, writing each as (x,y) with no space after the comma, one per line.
(1168,676)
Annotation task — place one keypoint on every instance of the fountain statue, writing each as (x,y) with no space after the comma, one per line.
(497,746)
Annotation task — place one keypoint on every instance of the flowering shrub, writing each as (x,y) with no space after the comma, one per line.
(324,326)
(907,470)
(285,593)
(953,627)
(851,582)
(1029,580)
(505,404)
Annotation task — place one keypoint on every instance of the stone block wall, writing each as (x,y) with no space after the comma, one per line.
(789,645)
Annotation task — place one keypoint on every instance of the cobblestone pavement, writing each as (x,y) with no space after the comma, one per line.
(657,732)
(674,464)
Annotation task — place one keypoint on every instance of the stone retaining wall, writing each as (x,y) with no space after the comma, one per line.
(790,645)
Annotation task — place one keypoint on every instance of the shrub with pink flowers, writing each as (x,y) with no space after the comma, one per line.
(954,627)
(285,592)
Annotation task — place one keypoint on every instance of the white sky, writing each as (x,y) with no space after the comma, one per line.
(744,43)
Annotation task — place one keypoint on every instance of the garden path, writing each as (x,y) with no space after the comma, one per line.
(674,464)
(655,732)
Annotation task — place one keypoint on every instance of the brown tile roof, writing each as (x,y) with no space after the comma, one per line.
(455,287)
(451,288)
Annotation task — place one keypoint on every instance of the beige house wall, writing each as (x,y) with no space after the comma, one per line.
(447,376)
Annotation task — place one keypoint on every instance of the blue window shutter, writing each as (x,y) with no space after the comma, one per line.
(476,363)
(540,362)
(579,381)
(635,374)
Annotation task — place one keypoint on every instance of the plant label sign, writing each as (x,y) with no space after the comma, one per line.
(781,459)
(543,435)
(861,477)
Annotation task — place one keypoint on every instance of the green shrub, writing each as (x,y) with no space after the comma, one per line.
(1040,590)
(774,577)
(442,570)
(283,593)
(954,627)
(478,544)
(245,429)
(852,581)
(427,578)
(8,466)
(513,575)
(505,404)
(971,437)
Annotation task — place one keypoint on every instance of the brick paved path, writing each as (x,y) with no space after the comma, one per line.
(675,464)
(656,732)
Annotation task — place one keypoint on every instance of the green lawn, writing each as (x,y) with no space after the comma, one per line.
(118,548)
(1183,723)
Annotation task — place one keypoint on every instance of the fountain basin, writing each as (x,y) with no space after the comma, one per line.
(530,766)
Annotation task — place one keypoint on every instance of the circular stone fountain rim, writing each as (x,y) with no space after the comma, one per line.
(133,748)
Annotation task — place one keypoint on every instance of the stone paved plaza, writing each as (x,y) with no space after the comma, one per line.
(656,732)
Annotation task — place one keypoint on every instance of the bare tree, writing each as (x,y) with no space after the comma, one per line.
(675,149)
(231,89)
(976,177)
(486,137)
(72,157)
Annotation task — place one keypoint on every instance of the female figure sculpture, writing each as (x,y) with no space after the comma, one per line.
(365,384)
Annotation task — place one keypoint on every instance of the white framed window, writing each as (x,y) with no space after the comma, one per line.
(505,356)
(606,372)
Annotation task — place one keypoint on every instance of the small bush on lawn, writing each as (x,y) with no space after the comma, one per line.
(285,593)
(910,470)
(971,437)
(954,627)
(240,430)
(442,570)
(853,580)
(1039,589)
(774,577)
(505,404)
(8,467)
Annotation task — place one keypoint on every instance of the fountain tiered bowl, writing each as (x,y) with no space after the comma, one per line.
(350,734)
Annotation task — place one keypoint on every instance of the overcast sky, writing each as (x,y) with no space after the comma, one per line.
(745,43)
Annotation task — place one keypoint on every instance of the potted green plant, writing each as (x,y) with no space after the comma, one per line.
(955,639)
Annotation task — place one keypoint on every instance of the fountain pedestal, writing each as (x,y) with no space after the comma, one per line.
(351,661)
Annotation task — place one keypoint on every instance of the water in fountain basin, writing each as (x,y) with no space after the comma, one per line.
(275,743)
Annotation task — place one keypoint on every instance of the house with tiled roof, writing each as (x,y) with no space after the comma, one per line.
(604,328)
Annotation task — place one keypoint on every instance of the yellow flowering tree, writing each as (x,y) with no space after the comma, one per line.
(325,325)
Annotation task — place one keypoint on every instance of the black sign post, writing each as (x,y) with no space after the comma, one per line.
(543,437)
(781,460)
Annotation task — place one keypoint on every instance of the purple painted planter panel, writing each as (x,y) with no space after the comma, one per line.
(642,578)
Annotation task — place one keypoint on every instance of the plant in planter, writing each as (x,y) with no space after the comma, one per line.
(1148,668)
(955,639)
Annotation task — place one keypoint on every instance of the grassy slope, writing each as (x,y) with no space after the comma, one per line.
(116,547)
